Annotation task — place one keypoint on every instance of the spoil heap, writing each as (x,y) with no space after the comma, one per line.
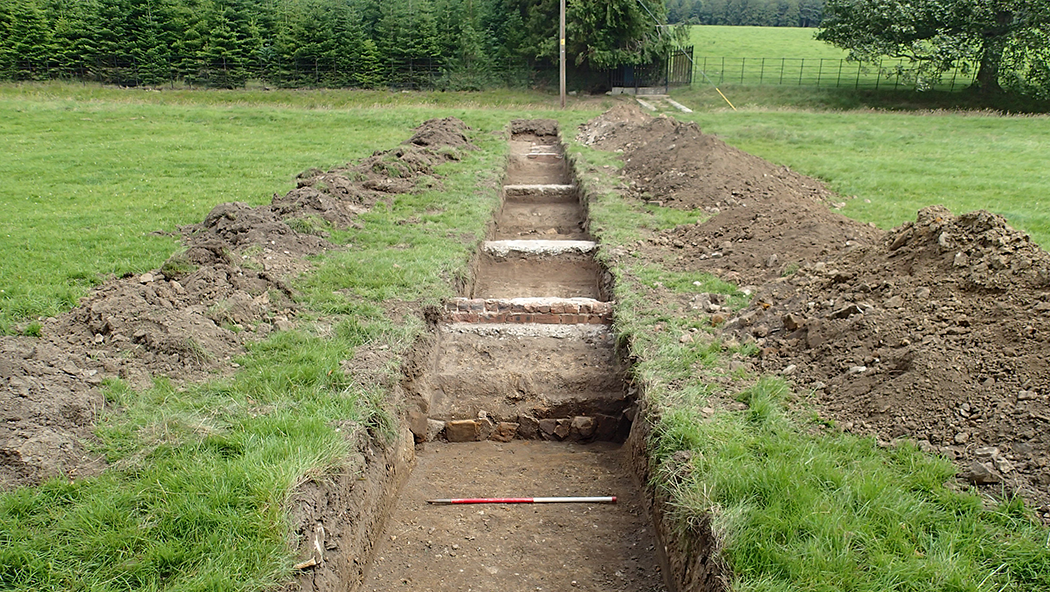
(935,332)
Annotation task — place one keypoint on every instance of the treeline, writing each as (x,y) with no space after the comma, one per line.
(456,44)
(759,13)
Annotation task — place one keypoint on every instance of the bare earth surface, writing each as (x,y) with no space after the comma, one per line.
(520,547)
(937,332)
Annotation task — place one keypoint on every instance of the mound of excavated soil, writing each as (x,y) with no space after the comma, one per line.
(764,219)
(677,165)
(937,332)
(187,319)
(940,334)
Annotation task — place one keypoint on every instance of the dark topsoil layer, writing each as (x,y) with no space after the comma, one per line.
(189,318)
(936,332)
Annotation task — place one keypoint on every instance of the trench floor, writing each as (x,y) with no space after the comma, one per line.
(519,547)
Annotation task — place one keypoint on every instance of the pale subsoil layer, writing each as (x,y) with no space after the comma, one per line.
(937,332)
(557,547)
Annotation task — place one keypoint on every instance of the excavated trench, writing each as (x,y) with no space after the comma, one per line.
(520,392)
(523,395)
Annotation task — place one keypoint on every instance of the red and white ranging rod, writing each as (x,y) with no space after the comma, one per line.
(526,500)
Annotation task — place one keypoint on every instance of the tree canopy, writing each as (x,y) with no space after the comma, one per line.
(458,44)
(1008,41)
(758,13)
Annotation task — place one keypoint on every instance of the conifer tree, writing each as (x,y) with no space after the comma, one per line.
(25,40)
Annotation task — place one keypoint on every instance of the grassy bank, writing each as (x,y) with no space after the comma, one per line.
(796,505)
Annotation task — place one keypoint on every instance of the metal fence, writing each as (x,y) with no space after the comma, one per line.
(427,73)
(222,73)
(821,72)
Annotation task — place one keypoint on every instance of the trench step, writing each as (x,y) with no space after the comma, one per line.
(504,248)
(536,310)
(532,188)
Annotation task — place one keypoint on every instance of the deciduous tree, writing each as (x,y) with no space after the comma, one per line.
(937,35)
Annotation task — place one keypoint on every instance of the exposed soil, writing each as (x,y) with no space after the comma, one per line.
(936,332)
(503,409)
(541,220)
(600,547)
(189,318)
(509,373)
(513,276)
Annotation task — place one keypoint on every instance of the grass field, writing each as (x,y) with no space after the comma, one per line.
(92,174)
(201,471)
(760,42)
(897,164)
(791,56)
(195,497)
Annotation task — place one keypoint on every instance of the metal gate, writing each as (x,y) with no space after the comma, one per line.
(674,69)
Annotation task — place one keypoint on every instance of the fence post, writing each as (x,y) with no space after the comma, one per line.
(838,79)
(762,72)
(722,71)
(857,86)
(801,68)
(820,71)
(782,61)
(742,62)
(898,78)
(955,73)
(878,77)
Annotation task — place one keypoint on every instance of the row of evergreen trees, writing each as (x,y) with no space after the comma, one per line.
(363,43)
(759,13)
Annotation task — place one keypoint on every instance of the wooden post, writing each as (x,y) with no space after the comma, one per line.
(561,52)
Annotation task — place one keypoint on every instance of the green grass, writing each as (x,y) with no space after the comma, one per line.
(797,505)
(91,174)
(195,496)
(897,164)
(760,42)
(786,56)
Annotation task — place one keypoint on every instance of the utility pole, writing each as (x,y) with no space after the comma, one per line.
(561,52)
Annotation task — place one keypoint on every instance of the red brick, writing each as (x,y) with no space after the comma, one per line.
(492,305)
